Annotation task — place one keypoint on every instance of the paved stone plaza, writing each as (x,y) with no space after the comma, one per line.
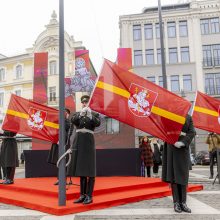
(205,205)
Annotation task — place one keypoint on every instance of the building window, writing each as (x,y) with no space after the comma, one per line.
(151,79)
(159,56)
(187,82)
(212,83)
(173,55)
(136,32)
(148,31)
(1,99)
(175,85)
(185,54)
(149,57)
(161,81)
(53,67)
(183,28)
(18,71)
(2,74)
(207,55)
(171,29)
(138,60)
(214,22)
(17,92)
(52,92)
(204,24)
(157,28)
(216,54)
(112,126)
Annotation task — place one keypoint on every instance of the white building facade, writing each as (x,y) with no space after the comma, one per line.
(192,49)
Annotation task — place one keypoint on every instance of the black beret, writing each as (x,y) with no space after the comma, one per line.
(85,98)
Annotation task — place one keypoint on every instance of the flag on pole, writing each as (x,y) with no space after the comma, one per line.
(31,119)
(206,114)
(131,99)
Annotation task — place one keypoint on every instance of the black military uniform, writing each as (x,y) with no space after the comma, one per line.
(176,163)
(9,156)
(84,153)
(54,150)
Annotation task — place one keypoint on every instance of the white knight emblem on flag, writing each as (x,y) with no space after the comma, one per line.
(36,119)
(141,100)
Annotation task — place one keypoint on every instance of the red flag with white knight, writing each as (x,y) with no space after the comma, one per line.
(133,100)
(31,119)
(206,113)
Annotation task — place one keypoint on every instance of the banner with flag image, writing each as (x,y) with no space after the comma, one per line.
(31,119)
(206,114)
(131,99)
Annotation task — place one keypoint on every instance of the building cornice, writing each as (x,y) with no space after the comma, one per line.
(16,58)
(3,84)
(144,18)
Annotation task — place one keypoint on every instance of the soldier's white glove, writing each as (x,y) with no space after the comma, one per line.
(89,112)
(179,144)
(83,111)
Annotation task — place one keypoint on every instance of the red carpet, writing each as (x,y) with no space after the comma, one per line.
(40,193)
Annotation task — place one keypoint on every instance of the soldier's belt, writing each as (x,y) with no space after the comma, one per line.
(84,130)
(182,134)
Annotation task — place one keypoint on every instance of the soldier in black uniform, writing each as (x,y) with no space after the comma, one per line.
(84,153)
(9,156)
(176,163)
(54,150)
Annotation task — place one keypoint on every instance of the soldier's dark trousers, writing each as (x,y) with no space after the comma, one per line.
(10,173)
(179,193)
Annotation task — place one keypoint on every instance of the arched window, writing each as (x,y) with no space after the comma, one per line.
(53,67)
(18,71)
(2,74)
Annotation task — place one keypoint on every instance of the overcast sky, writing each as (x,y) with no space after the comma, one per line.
(94,22)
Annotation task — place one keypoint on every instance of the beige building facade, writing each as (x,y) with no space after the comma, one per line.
(17,72)
(192,49)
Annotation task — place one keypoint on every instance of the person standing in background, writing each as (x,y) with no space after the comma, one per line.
(156,156)
(9,156)
(213,140)
(54,150)
(146,154)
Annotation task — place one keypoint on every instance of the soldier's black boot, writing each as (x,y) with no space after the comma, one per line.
(83,186)
(91,184)
(4,169)
(177,207)
(176,198)
(183,206)
(9,176)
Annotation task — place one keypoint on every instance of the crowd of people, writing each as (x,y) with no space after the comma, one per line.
(151,153)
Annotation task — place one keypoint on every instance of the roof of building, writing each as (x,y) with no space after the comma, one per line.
(167,8)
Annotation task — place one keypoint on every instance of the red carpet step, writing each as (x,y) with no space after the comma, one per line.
(40,193)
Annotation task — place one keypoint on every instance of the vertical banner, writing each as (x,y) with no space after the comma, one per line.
(40,90)
(124,58)
(85,76)
(70,101)
(40,78)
